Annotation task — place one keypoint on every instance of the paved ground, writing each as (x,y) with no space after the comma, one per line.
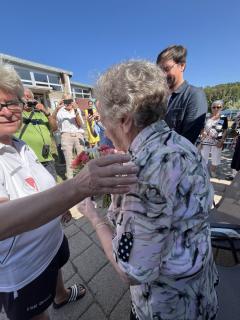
(107,297)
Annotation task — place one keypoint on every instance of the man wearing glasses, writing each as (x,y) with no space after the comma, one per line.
(70,124)
(187,106)
(36,130)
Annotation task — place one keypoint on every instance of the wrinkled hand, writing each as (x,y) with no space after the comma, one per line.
(107,175)
(87,208)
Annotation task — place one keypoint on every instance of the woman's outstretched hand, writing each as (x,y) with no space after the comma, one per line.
(107,175)
(87,208)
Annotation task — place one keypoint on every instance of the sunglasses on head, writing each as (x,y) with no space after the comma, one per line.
(216,107)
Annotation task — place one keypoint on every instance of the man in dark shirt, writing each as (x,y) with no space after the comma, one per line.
(187,106)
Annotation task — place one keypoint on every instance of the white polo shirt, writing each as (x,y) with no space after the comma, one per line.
(24,257)
(67,121)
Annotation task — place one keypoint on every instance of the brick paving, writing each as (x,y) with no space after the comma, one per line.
(107,297)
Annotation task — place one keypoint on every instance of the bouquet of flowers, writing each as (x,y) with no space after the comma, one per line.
(93,153)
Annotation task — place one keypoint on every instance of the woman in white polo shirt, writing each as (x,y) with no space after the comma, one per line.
(30,263)
(32,249)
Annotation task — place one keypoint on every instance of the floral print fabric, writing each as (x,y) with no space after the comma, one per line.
(169,262)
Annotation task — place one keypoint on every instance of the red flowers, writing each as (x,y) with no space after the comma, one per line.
(85,156)
(80,160)
(104,149)
(93,153)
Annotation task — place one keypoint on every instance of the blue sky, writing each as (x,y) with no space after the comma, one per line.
(86,37)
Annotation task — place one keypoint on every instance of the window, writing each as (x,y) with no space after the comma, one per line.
(40,77)
(33,77)
(54,79)
(79,92)
(25,82)
(56,88)
(23,73)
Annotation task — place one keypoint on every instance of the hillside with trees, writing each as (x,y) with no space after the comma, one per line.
(228,92)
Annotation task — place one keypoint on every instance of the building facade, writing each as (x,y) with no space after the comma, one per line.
(47,83)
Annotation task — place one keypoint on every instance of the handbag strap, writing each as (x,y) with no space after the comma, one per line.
(26,124)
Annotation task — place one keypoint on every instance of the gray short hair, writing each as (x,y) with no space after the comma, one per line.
(10,81)
(217,103)
(27,90)
(137,87)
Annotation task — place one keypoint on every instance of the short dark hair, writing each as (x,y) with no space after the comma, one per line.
(176,52)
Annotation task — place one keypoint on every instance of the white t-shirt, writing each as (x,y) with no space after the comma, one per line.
(24,257)
(67,121)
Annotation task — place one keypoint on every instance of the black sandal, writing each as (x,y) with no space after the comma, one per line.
(77,291)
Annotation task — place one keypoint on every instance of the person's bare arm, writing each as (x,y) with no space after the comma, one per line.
(99,176)
(55,112)
(104,233)
(51,120)
(79,119)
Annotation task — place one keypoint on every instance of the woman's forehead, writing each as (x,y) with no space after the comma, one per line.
(6,95)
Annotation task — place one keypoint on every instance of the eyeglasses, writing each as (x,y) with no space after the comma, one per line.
(216,107)
(14,106)
(168,68)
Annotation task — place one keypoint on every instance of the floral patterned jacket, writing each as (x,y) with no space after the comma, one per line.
(162,237)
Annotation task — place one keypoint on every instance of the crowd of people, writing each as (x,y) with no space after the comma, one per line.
(156,233)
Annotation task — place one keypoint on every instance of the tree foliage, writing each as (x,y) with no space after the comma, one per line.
(228,92)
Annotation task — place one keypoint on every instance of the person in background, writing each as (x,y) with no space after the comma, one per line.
(70,124)
(33,247)
(100,130)
(213,136)
(187,105)
(235,164)
(157,236)
(92,135)
(37,127)
(36,132)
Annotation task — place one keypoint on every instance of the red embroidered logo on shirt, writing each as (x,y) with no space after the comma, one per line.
(31,182)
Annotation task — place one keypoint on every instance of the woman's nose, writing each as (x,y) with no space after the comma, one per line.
(5,111)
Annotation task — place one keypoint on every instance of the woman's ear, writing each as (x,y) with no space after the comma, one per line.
(127,123)
(182,66)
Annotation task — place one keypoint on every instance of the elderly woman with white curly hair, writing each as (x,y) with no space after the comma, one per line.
(157,235)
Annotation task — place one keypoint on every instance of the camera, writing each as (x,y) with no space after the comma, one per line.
(45,150)
(90,112)
(67,101)
(32,104)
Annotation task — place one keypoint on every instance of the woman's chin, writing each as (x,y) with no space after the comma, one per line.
(11,127)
